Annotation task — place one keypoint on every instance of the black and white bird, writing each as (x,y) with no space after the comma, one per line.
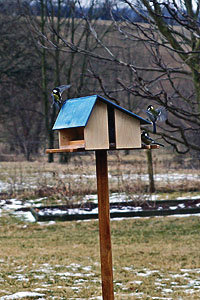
(156,115)
(147,140)
(57,94)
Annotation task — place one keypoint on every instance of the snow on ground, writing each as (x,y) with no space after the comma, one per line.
(33,182)
(21,295)
(142,177)
(11,206)
(186,281)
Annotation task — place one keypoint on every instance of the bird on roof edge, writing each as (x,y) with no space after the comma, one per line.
(156,114)
(57,95)
(147,140)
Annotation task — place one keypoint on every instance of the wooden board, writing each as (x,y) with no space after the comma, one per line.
(127,131)
(96,131)
(150,146)
(68,135)
(73,146)
(81,147)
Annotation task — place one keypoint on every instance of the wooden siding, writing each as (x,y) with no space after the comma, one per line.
(127,131)
(96,131)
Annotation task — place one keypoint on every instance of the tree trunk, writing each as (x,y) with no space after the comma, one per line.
(44,82)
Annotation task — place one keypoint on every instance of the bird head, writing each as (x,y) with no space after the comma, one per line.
(150,108)
(144,133)
(56,92)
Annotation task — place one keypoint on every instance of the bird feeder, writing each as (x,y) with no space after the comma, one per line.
(94,123)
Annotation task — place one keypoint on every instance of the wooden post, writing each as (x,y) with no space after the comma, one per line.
(104,225)
(150,171)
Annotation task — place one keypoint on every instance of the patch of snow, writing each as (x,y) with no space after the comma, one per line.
(173,207)
(162,298)
(195,270)
(26,215)
(39,276)
(127,268)
(136,282)
(70,274)
(12,204)
(189,291)
(18,277)
(167,291)
(185,275)
(118,284)
(182,205)
(173,283)
(193,197)
(139,295)
(3,186)
(87,268)
(74,266)
(147,272)
(162,177)
(182,215)
(20,295)
(46,223)
(160,208)
(160,284)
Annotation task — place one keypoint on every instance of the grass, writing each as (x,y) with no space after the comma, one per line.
(155,257)
(28,180)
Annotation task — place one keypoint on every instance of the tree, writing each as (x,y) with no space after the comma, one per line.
(169,61)
(20,115)
(50,31)
(174,44)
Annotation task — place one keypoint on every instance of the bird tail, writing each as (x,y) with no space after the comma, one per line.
(56,104)
(154,127)
(159,144)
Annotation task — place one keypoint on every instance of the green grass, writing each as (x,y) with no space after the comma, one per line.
(154,257)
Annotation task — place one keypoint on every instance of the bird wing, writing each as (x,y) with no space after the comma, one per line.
(150,116)
(54,102)
(62,88)
(52,96)
(162,114)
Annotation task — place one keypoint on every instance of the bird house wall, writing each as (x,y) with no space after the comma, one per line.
(66,136)
(96,131)
(127,131)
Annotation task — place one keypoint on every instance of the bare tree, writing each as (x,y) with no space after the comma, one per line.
(164,69)
(171,37)
(20,114)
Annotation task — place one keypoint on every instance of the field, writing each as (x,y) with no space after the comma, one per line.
(153,258)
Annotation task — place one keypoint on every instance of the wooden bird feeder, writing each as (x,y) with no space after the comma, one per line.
(94,123)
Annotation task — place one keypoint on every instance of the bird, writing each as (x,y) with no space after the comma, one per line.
(147,140)
(57,94)
(156,114)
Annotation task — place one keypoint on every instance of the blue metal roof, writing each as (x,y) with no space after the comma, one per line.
(76,112)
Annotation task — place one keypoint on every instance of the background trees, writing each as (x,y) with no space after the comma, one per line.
(20,113)
(156,62)
(46,43)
